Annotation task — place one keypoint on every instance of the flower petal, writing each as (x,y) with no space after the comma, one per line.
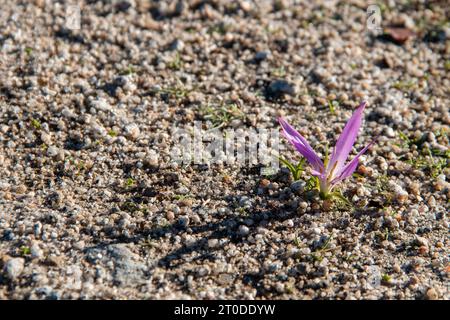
(302,146)
(346,140)
(352,165)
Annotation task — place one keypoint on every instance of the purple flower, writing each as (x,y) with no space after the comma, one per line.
(333,170)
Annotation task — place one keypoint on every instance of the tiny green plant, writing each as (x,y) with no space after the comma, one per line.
(130,182)
(279,72)
(176,63)
(24,250)
(128,70)
(222,115)
(332,105)
(28,50)
(295,169)
(318,253)
(405,85)
(112,133)
(178,92)
(447,65)
(386,278)
(35,124)
(432,160)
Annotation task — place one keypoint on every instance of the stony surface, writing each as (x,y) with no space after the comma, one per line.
(93,206)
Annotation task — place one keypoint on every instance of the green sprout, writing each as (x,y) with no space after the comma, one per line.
(223,115)
(28,50)
(112,133)
(177,92)
(128,70)
(295,169)
(332,104)
(432,160)
(24,250)
(320,251)
(447,65)
(130,182)
(36,124)
(405,85)
(176,63)
(279,72)
(386,278)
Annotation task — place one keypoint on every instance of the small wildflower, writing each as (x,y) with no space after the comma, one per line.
(334,169)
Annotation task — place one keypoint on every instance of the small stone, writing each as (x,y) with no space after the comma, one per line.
(52,151)
(261,55)
(431,294)
(421,241)
(303,205)
(176,45)
(212,243)
(280,287)
(203,272)
(423,250)
(46,138)
(400,194)
(305,251)
(289,223)
(390,132)
(54,261)
(100,104)
(243,230)
(298,186)
(279,88)
(264,183)
(132,131)
(14,267)
(415,188)
(170,215)
(36,252)
(20,189)
(183,221)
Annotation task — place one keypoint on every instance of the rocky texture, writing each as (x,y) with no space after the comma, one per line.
(93,206)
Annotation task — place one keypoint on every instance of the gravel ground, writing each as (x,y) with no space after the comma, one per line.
(92,205)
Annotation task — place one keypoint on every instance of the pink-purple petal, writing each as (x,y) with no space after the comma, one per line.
(346,140)
(350,167)
(302,146)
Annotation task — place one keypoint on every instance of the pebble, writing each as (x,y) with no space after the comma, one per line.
(36,251)
(132,131)
(14,267)
(421,241)
(52,151)
(261,55)
(243,230)
(46,138)
(289,223)
(213,243)
(431,294)
(400,194)
(183,221)
(279,88)
(298,186)
(177,45)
